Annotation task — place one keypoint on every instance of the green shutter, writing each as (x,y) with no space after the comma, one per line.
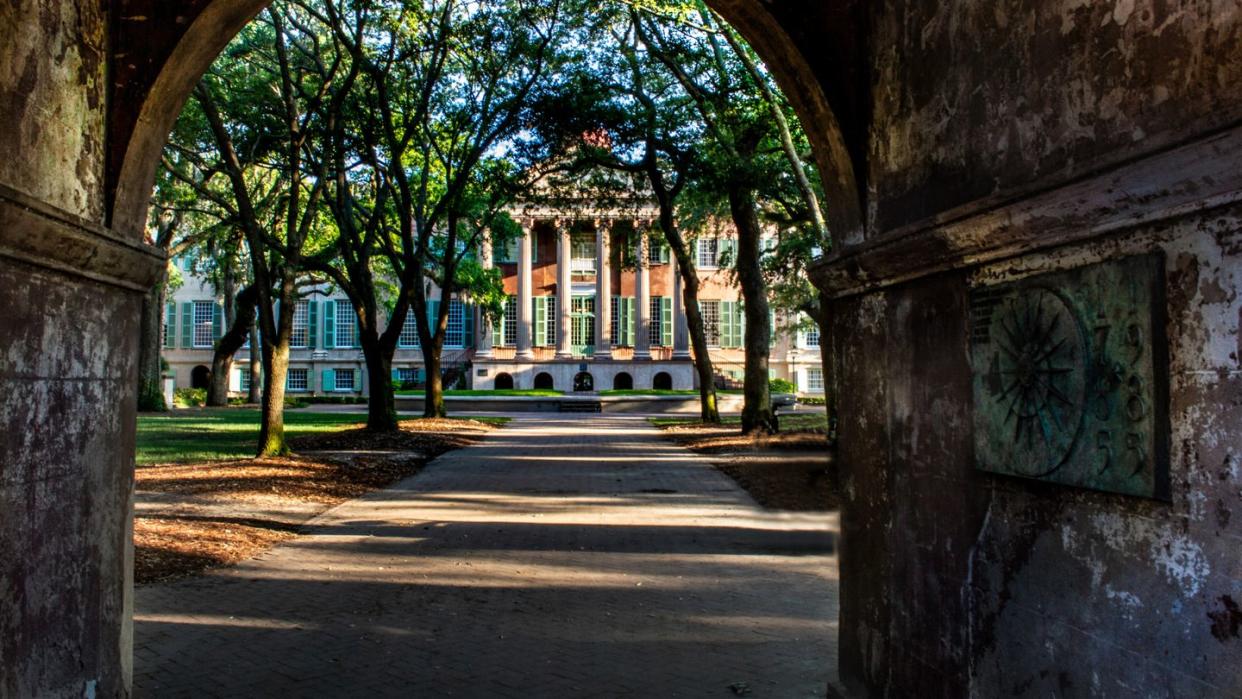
(312,324)
(187,325)
(739,325)
(329,324)
(433,314)
(329,380)
(467,324)
(170,320)
(666,320)
(396,375)
(726,323)
(357,381)
(217,322)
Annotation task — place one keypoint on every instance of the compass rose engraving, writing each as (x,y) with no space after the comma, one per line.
(1034,383)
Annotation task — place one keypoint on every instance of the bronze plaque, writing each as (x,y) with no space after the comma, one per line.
(1070,375)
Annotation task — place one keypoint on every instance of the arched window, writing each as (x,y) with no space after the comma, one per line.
(622,382)
(662,382)
(584,382)
(504,382)
(544,380)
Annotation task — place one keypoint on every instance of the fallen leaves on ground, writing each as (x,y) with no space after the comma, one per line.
(222,512)
(783,471)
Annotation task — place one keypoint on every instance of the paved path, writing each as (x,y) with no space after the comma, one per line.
(562,557)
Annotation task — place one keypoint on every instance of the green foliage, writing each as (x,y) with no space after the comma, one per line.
(190,397)
(782,386)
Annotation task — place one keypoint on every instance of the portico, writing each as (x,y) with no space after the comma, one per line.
(596,305)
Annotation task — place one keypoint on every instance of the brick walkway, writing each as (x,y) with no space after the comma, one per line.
(562,557)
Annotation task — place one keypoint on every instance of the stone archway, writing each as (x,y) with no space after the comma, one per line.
(662,381)
(200,377)
(544,382)
(623,381)
(503,382)
(952,158)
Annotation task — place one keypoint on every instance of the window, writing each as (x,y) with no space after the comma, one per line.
(299,380)
(455,332)
(656,334)
(582,312)
(508,333)
(711,321)
(709,252)
(243,379)
(509,252)
(344,379)
(582,255)
(346,321)
(657,252)
(301,325)
(407,375)
(811,338)
(616,321)
(815,380)
(408,339)
(204,317)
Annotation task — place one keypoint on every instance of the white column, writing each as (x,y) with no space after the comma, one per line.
(525,307)
(642,297)
(564,291)
(483,328)
(681,331)
(603,291)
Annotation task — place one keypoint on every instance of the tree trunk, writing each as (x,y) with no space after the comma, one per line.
(757,413)
(708,408)
(240,314)
(276,371)
(433,394)
(381,404)
(150,374)
(255,394)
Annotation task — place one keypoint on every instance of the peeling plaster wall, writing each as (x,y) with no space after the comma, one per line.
(68,348)
(52,102)
(956,582)
(67,399)
(960,583)
(975,100)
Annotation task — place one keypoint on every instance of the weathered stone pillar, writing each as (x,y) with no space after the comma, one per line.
(564,290)
(642,294)
(525,308)
(483,328)
(603,291)
(681,332)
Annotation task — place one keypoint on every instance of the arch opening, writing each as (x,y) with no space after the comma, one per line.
(544,381)
(584,382)
(503,382)
(623,382)
(200,377)
(662,381)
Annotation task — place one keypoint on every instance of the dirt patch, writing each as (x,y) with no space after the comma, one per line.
(191,517)
(786,471)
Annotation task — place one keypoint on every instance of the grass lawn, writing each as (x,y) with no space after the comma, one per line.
(789,423)
(530,393)
(225,433)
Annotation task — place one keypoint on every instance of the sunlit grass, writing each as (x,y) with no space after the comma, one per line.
(228,433)
(789,423)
